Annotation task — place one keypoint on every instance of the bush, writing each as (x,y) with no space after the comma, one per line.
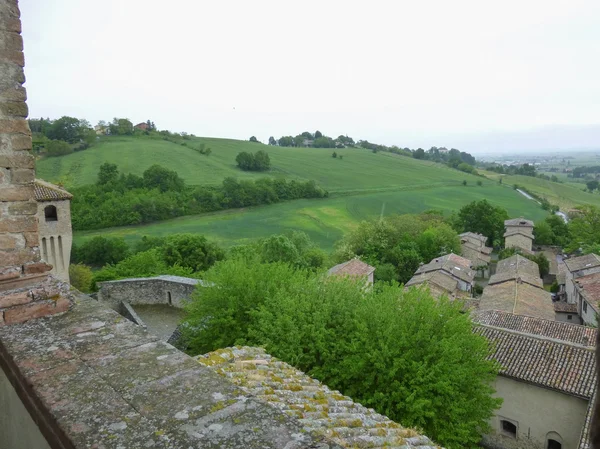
(80,276)
(554,288)
(258,161)
(58,148)
(190,251)
(99,251)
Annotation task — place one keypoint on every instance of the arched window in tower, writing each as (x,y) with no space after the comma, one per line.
(50,213)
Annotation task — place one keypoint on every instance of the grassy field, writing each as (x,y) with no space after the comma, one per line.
(566,195)
(359,170)
(362,185)
(325,220)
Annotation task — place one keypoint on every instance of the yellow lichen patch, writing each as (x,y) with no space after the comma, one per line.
(277,379)
(212,359)
(293,387)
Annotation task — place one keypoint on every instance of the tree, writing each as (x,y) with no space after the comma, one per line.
(163,179)
(80,276)
(334,155)
(483,218)
(99,251)
(543,233)
(479,183)
(253,139)
(464,183)
(108,173)
(419,154)
(374,346)
(592,185)
(584,230)
(121,127)
(296,249)
(191,251)
(262,162)
(560,230)
(66,128)
(272,141)
(318,134)
(58,148)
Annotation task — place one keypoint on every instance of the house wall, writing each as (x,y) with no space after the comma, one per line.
(588,317)
(144,291)
(524,404)
(570,282)
(563,317)
(17,429)
(56,237)
(519,241)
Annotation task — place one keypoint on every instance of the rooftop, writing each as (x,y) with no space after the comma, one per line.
(560,366)
(515,296)
(589,287)
(474,237)
(354,267)
(45,191)
(566,332)
(563,307)
(519,222)
(518,265)
(526,232)
(582,262)
(319,410)
(169,278)
(439,282)
(453,264)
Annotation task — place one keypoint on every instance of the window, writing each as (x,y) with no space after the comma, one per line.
(585,306)
(50,213)
(508,428)
(569,317)
(553,444)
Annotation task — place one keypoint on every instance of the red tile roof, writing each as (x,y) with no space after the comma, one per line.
(354,267)
(45,191)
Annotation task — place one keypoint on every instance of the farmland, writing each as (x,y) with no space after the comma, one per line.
(362,185)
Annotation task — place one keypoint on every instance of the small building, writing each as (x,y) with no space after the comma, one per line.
(354,268)
(54,227)
(546,366)
(577,267)
(519,234)
(473,248)
(566,313)
(587,298)
(101,130)
(449,275)
(517,288)
(142,126)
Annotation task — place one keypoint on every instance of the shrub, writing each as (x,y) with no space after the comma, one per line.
(58,148)
(80,276)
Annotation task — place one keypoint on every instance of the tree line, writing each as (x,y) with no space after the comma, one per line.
(118,199)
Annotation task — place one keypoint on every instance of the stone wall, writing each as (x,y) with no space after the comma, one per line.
(524,405)
(518,241)
(25,291)
(56,238)
(169,290)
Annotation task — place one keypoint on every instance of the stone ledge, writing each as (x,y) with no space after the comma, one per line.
(91,378)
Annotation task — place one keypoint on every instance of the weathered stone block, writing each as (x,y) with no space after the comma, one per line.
(11,41)
(9,273)
(23,208)
(32,239)
(16,193)
(10,24)
(20,224)
(16,142)
(14,93)
(1,318)
(20,160)
(19,257)
(15,299)
(18,125)
(12,55)
(19,314)
(4,176)
(11,241)
(14,108)
(22,176)
(36,267)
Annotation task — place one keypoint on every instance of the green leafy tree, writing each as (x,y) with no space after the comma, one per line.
(334,155)
(419,154)
(584,230)
(543,233)
(68,129)
(318,134)
(163,179)
(58,148)
(464,183)
(296,249)
(262,162)
(405,354)
(99,251)
(592,185)
(121,127)
(483,218)
(253,139)
(191,251)
(80,276)
(272,141)
(560,230)
(108,173)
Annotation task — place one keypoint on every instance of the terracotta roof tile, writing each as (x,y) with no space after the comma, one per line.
(561,306)
(563,367)
(451,263)
(526,232)
(518,265)
(584,440)
(570,333)
(582,262)
(45,191)
(354,267)
(517,297)
(589,287)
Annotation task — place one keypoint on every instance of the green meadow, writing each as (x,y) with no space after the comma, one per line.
(362,185)
(325,220)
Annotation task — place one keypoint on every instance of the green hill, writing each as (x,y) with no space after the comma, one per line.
(362,185)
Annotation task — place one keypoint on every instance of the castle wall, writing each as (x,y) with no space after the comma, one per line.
(519,241)
(56,238)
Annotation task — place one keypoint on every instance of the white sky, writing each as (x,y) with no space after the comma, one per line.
(471,74)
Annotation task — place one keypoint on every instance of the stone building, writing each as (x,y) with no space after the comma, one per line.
(519,234)
(54,224)
(517,288)
(449,275)
(547,381)
(587,298)
(354,268)
(576,267)
(473,248)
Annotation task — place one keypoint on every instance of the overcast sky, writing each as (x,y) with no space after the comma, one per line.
(477,75)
